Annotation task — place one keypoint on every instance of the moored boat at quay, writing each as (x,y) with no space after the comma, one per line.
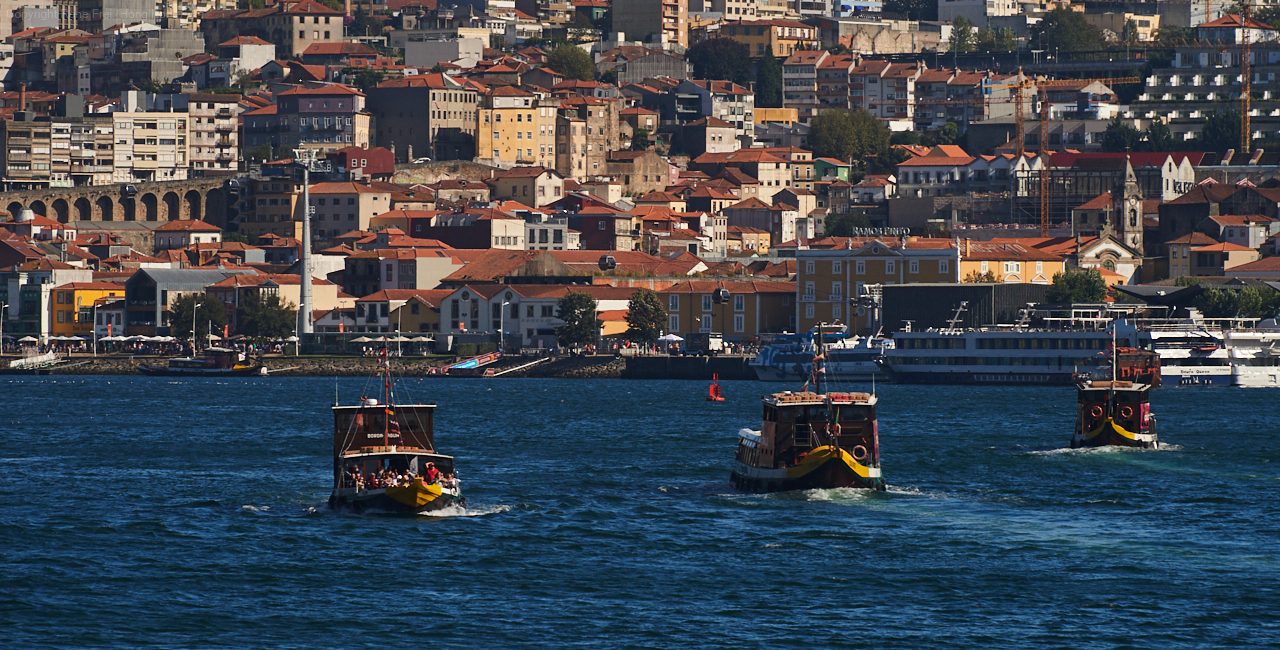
(384,456)
(212,362)
(789,357)
(811,439)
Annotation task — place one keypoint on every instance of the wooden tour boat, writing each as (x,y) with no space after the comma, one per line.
(810,440)
(1114,413)
(212,362)
(384,456)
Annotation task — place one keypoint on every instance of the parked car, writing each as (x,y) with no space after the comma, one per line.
(421,161)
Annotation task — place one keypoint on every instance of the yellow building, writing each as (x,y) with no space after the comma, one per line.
(829,281)
(787,116)
(784,36)
(276,209)
(73,306)
(1007,261)
(514,129)
(753,308)
(420,312)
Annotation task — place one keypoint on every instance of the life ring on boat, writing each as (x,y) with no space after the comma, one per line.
(1126,412)
(859,452)
(1096,411)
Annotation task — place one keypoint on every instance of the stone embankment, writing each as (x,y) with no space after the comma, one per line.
(600,367)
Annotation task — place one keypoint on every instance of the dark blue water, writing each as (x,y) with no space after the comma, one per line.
(189,514)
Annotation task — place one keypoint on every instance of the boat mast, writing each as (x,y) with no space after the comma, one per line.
(386,395)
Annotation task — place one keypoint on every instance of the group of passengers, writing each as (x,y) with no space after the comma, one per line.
(386,477)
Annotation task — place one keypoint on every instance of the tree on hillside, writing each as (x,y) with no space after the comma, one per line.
(720,58)
(578,311)
(572,62)
(1121,136)
(646,317)
(963,38)
(887,162)
(1221,131)
(640,139)
(842,134)
(1063,30)
(949,133)
(209,312)
(1168,36)
(995,40)
(1158,137)
(266,317)
(1077,287)
(1246,302)
(769,82)
(842,225)
(904,137)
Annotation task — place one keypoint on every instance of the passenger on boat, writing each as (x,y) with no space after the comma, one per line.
(449,481)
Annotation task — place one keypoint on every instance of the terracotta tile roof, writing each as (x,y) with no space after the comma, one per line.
(1100,202)
(1195,239)
(733,286)
(332,89)
(1224,247)
(1236,20)
(188,225)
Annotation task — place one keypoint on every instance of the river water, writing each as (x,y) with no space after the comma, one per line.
(190,514)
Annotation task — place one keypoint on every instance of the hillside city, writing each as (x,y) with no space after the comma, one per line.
(761,166)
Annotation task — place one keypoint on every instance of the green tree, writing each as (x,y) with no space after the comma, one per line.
(609,76)
(913,9)
(842,134)
(1121,136)
(720,58)
(769,82)
(209,312)
(266,317)
(261,153)
(578,311)
(963,38)
(233,236)
(1078,287)
(362,24)
(1006,40)
(887,162)
(639,139)
(335,5)
(975,277)
(949,133)
(1130,34)
(1170,36)
(1221,131)
(904,137)
(646,317)
(1246,302)
(366,79)
(572,62)
(1063,30)
(842,225)
(1158,137)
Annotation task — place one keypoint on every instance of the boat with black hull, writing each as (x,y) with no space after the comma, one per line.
(1114,413)
(810,440)
(384,456)
(212,362)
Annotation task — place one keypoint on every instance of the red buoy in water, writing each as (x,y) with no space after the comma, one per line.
(713,391)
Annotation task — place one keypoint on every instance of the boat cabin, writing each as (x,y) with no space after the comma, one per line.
(209,359)
(1125,402)
(794,423)
(372,436)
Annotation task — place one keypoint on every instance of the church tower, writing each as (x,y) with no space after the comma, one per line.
(1126,222)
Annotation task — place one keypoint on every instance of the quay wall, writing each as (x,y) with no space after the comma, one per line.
(602,367)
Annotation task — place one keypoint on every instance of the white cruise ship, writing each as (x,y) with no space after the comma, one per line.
(1216,352)
(790,357)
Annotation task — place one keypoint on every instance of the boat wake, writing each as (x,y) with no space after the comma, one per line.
(458,511)
(443,513)
(834,495)
(1113,449)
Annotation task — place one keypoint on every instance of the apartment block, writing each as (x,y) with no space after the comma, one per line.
(515,127)
(428,115)
(653,21)
(215,133)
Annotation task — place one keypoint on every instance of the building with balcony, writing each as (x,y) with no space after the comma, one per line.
(214,133)
(654,21)
(785,37)
(292,25)
(151,147)
(41,152)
